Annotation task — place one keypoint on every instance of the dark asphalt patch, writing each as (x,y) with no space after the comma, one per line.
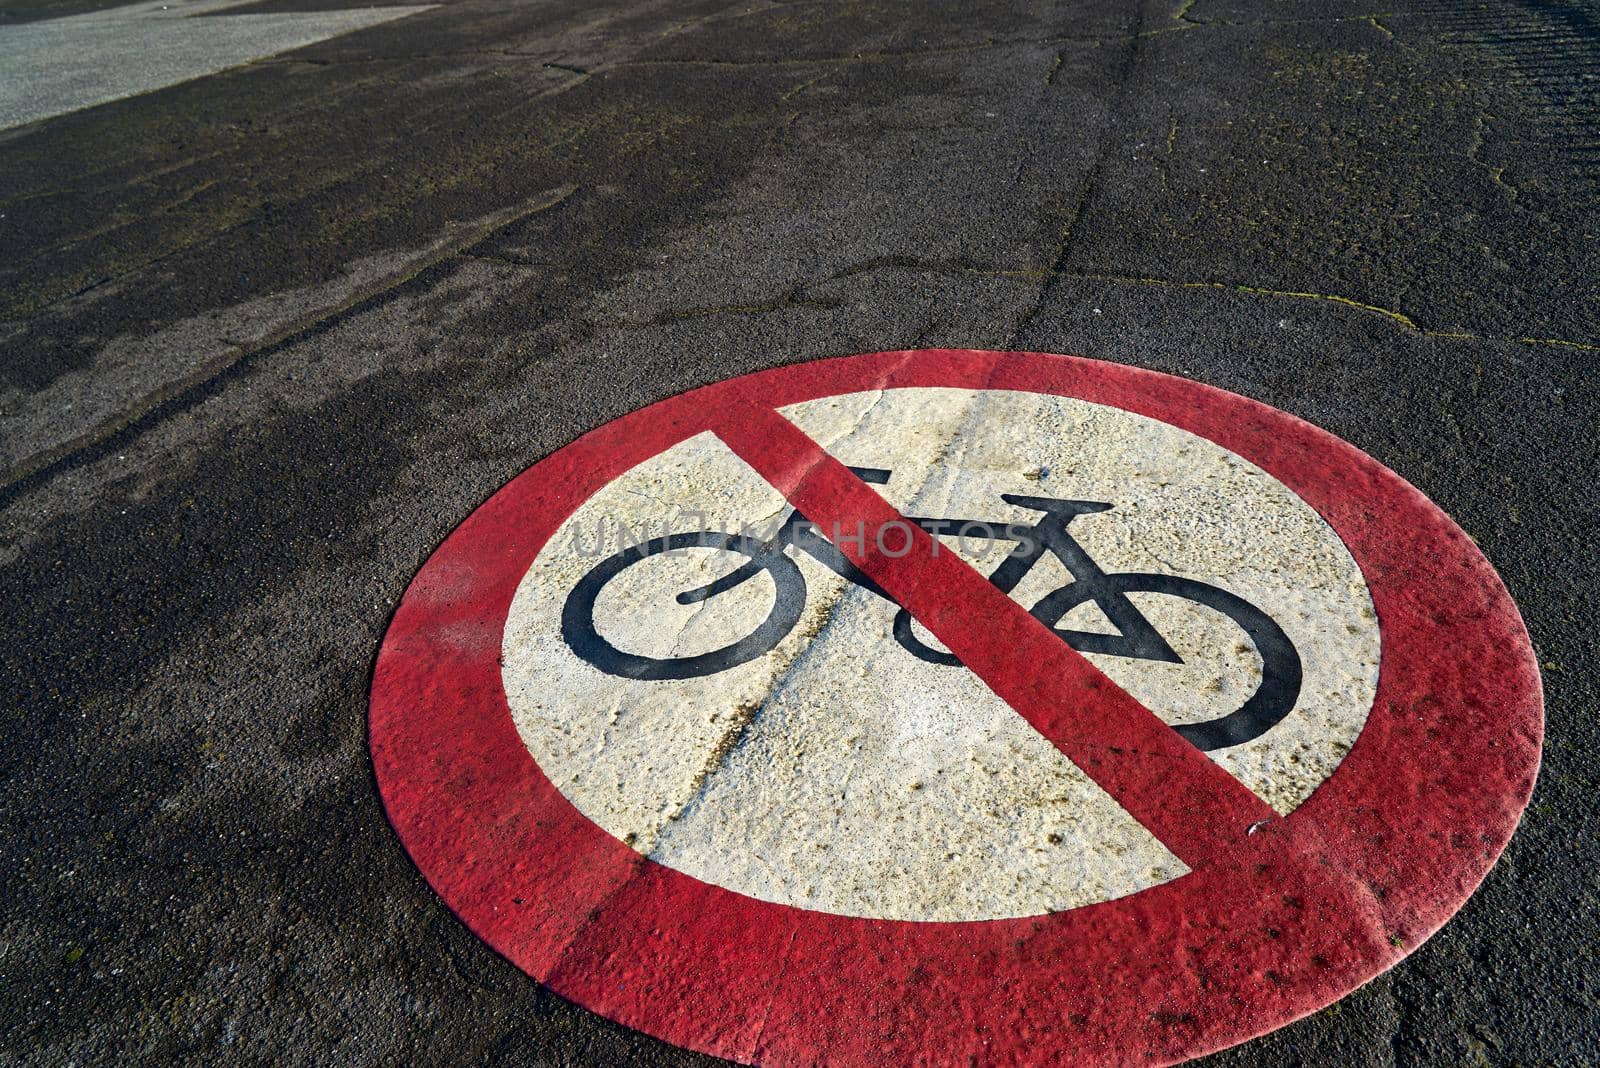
(19,11)
(197,668)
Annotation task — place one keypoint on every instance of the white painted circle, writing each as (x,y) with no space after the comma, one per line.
(840,773)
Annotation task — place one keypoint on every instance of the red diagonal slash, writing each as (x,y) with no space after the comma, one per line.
(1194,807)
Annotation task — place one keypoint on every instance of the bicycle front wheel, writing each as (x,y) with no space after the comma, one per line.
(1281,671)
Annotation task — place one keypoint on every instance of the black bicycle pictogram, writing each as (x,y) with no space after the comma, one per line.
(1137,638)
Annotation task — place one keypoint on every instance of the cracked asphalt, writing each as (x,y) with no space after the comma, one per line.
(269,335)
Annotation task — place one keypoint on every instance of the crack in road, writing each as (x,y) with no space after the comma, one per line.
(1086,190)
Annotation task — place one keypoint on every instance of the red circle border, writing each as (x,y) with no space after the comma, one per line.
(1380,855)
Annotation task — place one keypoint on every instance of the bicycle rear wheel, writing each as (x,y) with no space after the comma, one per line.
(578,624)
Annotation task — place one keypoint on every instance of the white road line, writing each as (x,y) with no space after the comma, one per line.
(60,65)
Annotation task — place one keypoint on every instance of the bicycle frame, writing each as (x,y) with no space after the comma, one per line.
(1137,638)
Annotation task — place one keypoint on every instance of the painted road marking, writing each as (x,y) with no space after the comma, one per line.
(726,852)
(991,819)
(55,66)
(1119,743)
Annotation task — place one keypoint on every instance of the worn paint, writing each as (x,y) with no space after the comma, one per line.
(863,781)
(1278,915)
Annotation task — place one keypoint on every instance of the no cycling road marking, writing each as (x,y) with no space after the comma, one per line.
(1143,789)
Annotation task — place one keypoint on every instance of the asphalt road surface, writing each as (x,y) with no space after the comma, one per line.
(270,334)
